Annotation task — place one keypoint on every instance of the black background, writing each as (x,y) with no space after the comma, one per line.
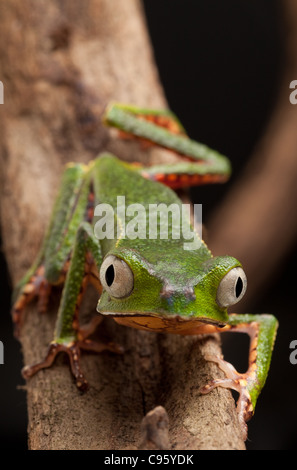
(220,63)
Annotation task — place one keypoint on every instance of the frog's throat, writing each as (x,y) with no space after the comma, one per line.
(169,324)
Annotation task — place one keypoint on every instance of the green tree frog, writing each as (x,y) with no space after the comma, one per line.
(153,284)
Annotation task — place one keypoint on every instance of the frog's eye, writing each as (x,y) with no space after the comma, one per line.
(232,287)
(116,277)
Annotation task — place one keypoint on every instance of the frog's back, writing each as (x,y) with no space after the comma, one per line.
(164,223)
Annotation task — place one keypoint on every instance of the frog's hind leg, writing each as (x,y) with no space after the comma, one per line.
(199,164)
(69,336)
(50,266)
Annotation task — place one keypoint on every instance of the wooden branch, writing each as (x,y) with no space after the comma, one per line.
(257,220)
(61,62)
(155,430)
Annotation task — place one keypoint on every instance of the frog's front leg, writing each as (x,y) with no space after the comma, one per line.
(69,336)
(262,331)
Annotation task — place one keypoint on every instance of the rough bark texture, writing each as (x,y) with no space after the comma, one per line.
(61,62)
(257,220)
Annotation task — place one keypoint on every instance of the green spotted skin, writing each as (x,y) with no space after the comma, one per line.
(172,283)
(188,279)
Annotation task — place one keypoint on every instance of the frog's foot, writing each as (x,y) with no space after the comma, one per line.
(37,286)
(235,381)
(73,350)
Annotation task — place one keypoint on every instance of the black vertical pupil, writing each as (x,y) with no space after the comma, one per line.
(109,275)
(238,287)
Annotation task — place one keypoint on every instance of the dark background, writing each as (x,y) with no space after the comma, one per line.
(220,63)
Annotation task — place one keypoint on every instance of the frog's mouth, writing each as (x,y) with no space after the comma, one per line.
(167,324)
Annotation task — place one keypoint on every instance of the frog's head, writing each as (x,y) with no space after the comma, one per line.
(169,291)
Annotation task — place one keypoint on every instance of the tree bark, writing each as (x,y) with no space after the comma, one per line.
(61,63)
(256,222)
